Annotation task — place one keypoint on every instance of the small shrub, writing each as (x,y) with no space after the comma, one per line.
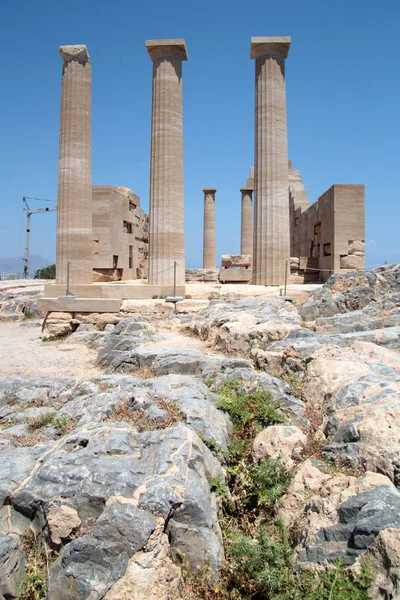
(40,421)
(56,338)
(211,443)
(63,424)
(101,326)
(28,314)
(254,408)
(219,487)
(34,585)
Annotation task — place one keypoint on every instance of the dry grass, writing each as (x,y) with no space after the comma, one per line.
(144,372)
(33,438)
(142,422)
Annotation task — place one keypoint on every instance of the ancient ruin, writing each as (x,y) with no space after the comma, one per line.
(209,238)
(74,215)
(167,243)
(104,237)
(271,208)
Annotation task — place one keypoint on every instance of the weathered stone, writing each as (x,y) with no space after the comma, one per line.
(166,238)
(209,235)
(12,566)
(236,260)
(383,557)
(352,262)
(279,440)
(62,520)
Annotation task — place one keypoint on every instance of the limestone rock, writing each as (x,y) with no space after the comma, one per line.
(357,246)
(236,260)
(279,440)
(150,573)
(62,520)
(352,261)
(77,52)
(383,556)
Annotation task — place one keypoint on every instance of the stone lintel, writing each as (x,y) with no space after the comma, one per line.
(79,52)
(160,48)
(261,46)
(209,190)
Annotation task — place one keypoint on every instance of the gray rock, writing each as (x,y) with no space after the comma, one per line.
(12,566)
(90,565)
(361,518)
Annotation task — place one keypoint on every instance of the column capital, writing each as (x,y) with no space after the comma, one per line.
(167,48)
(246,190)
(79,53)
(209,190)
(264,46)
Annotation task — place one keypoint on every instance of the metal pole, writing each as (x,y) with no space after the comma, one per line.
(174,278)
(28,231)
(286,274)
(68,293)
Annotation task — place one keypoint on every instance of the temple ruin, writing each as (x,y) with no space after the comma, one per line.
(104,238)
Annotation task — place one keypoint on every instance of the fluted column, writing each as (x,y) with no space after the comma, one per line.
(166,236)
(246,241)
(271,244)
(74,206)
(209,241)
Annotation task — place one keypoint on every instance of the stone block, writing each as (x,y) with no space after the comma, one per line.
(87,305)
(235,275)
(352,262)
(236,260)
(356,246)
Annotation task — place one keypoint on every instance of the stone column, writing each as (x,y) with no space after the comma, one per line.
(246,242)
(271,245)
(166,237)
(74,208)
(209,239)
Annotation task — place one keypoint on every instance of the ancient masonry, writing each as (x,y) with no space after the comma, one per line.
(74,214)
(167,244)
(271,244)
(105,237)
(209,240)
(246,237)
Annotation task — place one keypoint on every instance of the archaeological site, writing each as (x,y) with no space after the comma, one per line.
(226,432)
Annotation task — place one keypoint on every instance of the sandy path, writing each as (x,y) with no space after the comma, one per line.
(24,354)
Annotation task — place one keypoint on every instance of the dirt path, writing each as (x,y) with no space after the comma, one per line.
(24,354)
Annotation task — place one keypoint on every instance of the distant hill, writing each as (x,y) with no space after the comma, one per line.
(15,264)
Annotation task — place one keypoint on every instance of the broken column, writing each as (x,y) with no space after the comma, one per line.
(74,206)
(166,236)
(209,241)
(246,242)
(271,245)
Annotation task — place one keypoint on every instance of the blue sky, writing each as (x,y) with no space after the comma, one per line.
(343,91)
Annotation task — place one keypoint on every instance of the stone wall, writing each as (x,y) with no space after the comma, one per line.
(120,234)
(331,232)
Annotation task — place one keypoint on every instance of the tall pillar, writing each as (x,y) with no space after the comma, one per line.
(209,241)
(166,237)
(271,245)
(74,206)
(246,242)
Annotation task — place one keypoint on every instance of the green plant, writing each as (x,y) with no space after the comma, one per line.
(34,584)
(211,443)
(335,583)
(62,423)
(46,272)
(101,326)
(219,487)
(263,563)
(254,408)
(28,314)
(56,338)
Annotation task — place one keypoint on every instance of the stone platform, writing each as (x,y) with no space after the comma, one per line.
(101,297)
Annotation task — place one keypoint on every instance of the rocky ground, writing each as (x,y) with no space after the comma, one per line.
(120,464)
